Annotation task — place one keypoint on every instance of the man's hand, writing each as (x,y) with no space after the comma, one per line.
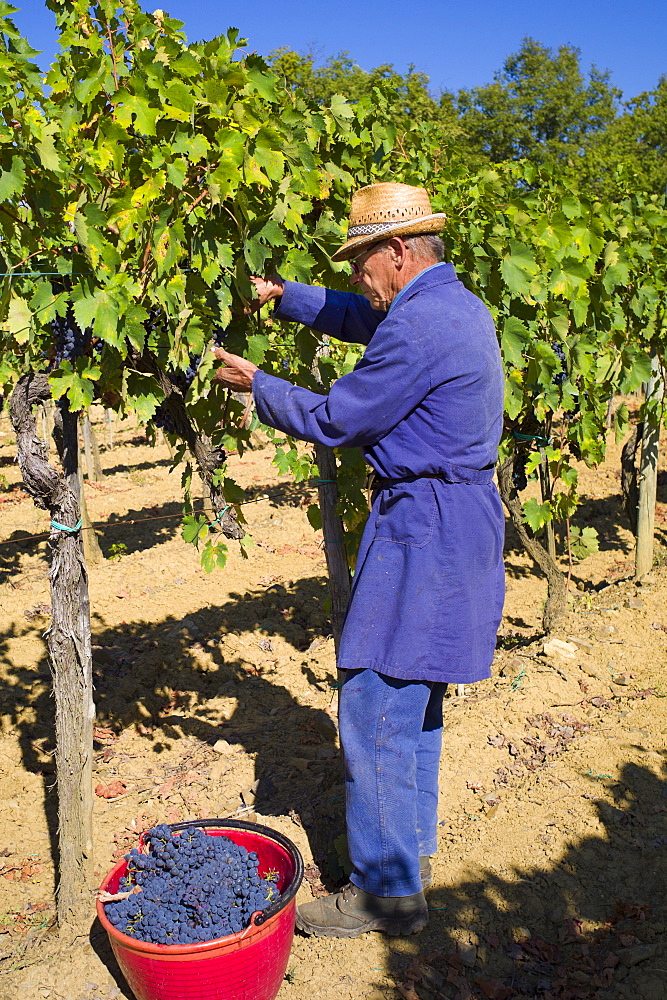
(237,373)
(267,289)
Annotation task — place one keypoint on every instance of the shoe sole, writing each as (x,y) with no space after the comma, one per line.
(394,928)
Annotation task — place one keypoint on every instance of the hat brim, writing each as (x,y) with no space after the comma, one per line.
(425,224)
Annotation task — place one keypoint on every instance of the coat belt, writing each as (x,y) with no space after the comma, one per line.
(449,474)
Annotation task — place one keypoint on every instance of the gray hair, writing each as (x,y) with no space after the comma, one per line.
(426,245)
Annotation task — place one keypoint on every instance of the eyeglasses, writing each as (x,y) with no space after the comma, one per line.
(356,268)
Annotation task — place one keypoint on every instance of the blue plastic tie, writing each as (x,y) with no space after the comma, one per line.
(63,527)
(531,437)
(322,482)
(218,517)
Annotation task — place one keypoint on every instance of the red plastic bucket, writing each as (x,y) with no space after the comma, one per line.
(249,965)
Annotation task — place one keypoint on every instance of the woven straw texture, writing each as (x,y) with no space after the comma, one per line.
(383,210)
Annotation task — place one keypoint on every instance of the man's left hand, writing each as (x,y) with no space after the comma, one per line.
(237,373)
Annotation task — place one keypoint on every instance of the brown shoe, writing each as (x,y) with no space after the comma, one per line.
(352,911)
(425,871)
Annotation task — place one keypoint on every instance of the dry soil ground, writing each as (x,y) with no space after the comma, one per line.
(549,880)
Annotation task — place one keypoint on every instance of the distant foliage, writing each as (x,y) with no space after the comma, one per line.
(541,105)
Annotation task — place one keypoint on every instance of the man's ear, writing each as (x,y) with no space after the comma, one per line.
(397,249)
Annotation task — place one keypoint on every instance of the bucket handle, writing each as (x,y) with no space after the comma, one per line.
(254,922)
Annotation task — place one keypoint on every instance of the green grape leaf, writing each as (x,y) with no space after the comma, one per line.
(19,319)
(536,514)
(258,345)
(213,556)
(193,528)
(12,180)
(583,542)
(513,341)
(143,394)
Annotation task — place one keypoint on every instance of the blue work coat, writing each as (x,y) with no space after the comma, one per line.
(426,399)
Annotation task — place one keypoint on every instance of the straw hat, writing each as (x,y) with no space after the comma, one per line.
(383,210)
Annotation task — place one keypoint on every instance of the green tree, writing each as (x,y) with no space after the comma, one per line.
(539,107)
(636,141)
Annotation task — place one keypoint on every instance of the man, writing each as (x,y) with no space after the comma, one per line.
(425,404)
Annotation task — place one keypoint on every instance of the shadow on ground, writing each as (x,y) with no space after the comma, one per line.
(606,515)
(297,765)
(587,925)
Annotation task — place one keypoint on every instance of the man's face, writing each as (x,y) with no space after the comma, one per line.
(374,274)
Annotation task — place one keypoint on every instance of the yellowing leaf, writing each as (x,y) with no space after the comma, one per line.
(19,318)
(149,190)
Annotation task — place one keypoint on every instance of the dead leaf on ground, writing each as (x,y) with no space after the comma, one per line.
(111,791)
(112,897)
(494,989)
(104,734)
(39,611)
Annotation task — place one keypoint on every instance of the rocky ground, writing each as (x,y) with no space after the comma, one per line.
(216,697)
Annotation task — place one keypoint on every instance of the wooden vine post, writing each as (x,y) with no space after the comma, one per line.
(109,420)
(92,451)
(68,640)
(648,474)
(333,529)
(334,539)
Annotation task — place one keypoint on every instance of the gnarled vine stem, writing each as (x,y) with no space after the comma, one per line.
(68,641)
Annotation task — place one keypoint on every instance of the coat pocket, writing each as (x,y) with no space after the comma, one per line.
(407,516)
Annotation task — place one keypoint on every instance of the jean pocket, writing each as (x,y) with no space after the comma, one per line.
(407,516)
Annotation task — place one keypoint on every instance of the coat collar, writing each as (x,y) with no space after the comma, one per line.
(436,274)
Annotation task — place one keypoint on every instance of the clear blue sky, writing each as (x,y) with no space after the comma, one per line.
(459,44)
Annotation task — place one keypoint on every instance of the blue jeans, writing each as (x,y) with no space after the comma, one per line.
(391,734)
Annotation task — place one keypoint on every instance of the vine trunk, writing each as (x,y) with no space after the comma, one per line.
(556,603)
(68,641)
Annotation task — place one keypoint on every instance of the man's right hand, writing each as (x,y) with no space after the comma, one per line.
(267,289)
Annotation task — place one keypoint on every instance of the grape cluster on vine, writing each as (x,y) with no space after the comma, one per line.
(560,377)
(519,478)
(163,419)
(182,380)
(70,341)
(193,887)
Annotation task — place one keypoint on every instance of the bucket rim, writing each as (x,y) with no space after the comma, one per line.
(257,919)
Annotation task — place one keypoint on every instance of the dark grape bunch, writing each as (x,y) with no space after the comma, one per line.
(193,887)
(519,478)
(163,419)
(560,377)
(70,340)
(182,380)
